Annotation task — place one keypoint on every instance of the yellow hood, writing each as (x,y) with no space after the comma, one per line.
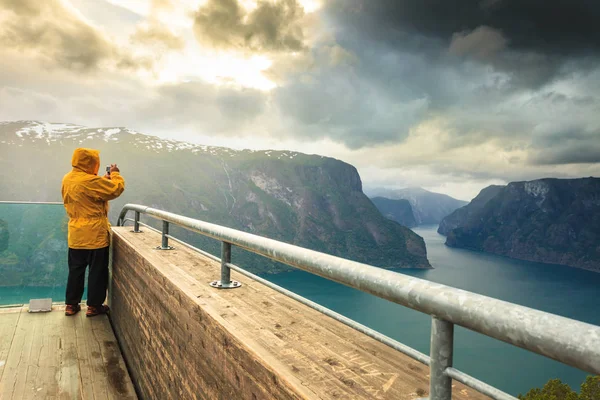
(86,160)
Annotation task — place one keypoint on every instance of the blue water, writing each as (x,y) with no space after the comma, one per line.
(20,295)
(566,291)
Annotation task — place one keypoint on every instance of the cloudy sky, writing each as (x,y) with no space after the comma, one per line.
(450,95)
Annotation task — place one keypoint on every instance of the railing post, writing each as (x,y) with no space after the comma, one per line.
(225,259)
(165,239)
(136,223)
(442,345)
(225,282)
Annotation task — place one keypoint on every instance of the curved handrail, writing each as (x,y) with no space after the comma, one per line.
(566,340)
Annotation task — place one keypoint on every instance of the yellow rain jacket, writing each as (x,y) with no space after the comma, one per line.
(86,196)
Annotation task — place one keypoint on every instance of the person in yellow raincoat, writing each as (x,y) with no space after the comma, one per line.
(85,196)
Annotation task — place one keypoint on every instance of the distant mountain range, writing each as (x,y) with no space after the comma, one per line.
(312,201)
(397,210)
(428,208)
(553,221)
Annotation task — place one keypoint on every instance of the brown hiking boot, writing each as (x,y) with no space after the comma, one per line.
(72,309)
(92,311)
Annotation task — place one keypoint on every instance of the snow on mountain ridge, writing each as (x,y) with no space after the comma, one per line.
(53,132)
(50,129)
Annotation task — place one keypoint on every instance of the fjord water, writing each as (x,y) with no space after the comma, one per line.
(561,290)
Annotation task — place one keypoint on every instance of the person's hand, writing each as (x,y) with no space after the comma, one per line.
(107,176)
(114,168)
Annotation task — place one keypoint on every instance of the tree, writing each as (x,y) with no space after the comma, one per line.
(556,390)
(590,389)
(553,390)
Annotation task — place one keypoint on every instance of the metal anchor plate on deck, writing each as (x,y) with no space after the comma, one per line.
(230,285)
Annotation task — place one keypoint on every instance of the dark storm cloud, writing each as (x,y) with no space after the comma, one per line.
(271,26)
(347,106)
(483,43)
(397,82)
(571,153)
(552,27)
(531,40)
(494,70)
(381,97)
(569,143)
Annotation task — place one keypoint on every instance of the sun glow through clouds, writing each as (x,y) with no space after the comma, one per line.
(215,68)
(195,61)
(310,5)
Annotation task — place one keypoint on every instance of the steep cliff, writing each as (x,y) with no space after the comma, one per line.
(312,201)
(455,219)
(549,220)
(396,210)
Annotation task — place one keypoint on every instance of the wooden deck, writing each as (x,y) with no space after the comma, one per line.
(315,355)
(51,356)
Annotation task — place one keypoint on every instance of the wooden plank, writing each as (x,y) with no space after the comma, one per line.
(84,354)
(38,322)
(8,326)
(49,360)
(12,383)
(49,356)
(120,386)
(69,383)
(247,341)
(91,359)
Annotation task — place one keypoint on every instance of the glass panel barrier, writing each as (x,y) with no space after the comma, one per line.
(33,252)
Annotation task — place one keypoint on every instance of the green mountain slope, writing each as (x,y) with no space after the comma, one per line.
(312,201)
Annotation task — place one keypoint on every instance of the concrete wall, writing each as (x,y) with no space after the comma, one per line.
(174,349)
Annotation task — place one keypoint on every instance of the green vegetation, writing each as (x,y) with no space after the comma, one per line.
(556,390)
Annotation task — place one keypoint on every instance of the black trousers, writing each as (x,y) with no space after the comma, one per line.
(97,260)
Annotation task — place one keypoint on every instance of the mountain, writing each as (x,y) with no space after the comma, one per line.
(455,219)
(396,210)
(428,207)
(553,221)
(312,201)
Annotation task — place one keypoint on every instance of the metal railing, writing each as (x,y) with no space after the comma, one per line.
(568,341)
